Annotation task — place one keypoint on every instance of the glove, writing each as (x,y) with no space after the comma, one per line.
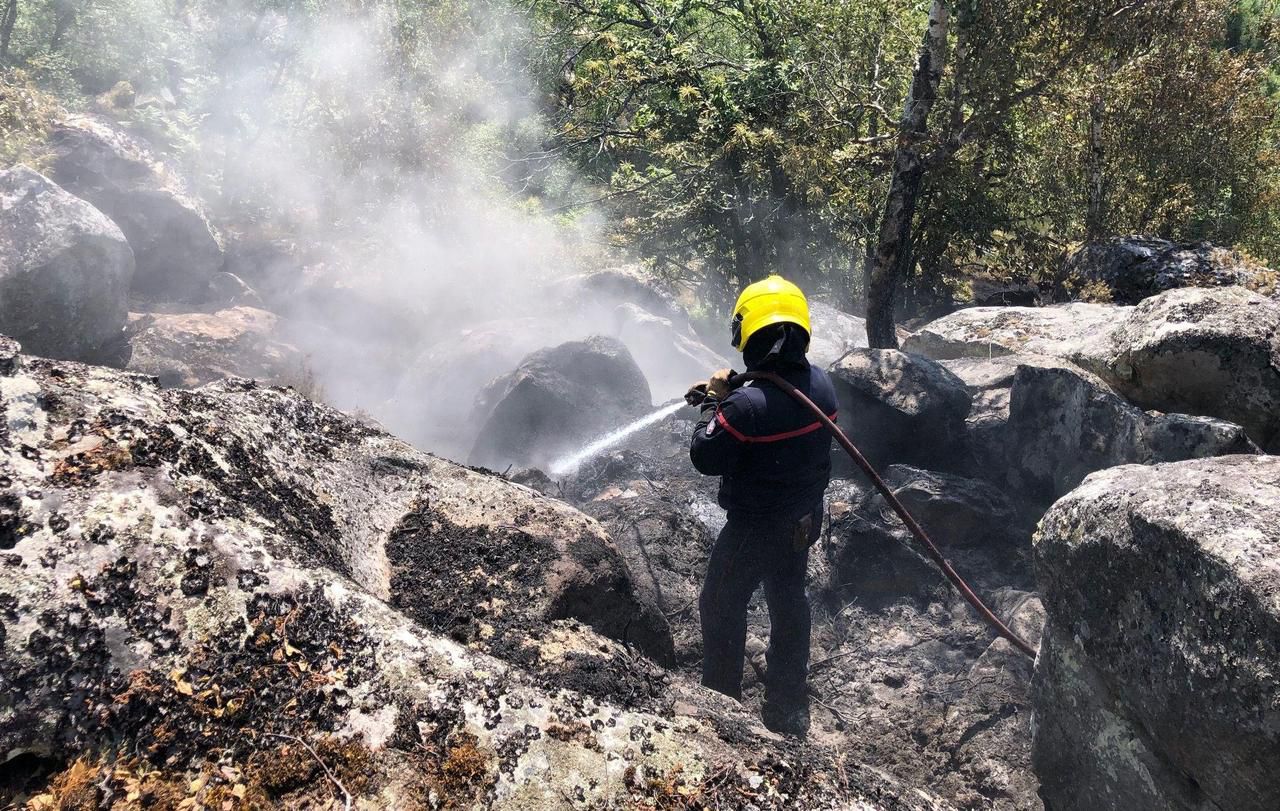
(696,395)
(717,388)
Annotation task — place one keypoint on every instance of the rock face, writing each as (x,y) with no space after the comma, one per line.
(833,333)
(984,332)
(191,349)
(1156,686)
(176,249)
(188,576)
(65,271)
(1065,423)
(899,407)
(1131,268)
(557,400)
(665,547)
(1201,351)
(990,381)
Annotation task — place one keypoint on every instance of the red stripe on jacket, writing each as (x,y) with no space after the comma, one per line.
(741,437)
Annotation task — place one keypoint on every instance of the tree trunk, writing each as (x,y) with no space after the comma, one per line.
(1096,214)
(8,18)
(886,268)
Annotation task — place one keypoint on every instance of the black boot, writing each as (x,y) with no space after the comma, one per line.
(786,717)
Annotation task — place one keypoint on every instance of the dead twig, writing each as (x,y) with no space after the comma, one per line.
(346,795)
(833,657)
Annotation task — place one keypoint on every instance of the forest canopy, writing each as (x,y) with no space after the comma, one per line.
(889,147)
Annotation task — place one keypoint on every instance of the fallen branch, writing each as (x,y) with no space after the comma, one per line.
(346,795)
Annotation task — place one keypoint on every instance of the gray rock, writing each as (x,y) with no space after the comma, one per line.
(1064,424)
(1060,331)
(665,547)
(434,403)
(1156,686)
(833,333)
(612,286)
(989,381)
(1132,268)
(65,271)
(900,407)
(183,572)
(870,556)
(557,400)
(176,249)
(191,349)
(954,510)
(988,292)
(1214,352)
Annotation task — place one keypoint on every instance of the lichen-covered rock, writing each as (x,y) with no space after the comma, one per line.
(197,586)
(176,249)
(1214,352)
(191,349)
(1156,686)
(557,400)
(1060,331)
(900,407)
(1131,268)
(65,271)
(1064,424)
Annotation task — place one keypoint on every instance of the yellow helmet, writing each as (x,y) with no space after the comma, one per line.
(772,301)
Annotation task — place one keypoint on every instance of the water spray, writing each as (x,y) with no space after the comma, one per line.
(570,463)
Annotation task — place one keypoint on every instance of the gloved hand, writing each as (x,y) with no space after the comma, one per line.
(717,388)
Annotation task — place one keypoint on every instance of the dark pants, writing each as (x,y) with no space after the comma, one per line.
(751,551)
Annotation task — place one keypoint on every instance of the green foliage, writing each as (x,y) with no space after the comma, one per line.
(743,137)
(26,114)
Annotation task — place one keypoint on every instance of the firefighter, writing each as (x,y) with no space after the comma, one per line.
(773,460)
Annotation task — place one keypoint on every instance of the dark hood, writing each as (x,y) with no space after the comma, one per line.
(776,348)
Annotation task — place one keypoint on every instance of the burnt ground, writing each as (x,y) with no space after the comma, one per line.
(904,677)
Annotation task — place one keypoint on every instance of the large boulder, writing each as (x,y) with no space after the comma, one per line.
(234,596)
(1201,351)
(65,271)
(900,407)
(870,556)
(1157,686)
(557,400)
(990,382)
(833,333)
(191,349)
(1064,424)
(956,512)
(985,332)
(1128,269)
(176,249)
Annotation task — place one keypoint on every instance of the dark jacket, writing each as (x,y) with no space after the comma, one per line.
(772,456)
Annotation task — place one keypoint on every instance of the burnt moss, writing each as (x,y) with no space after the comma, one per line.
(447,577)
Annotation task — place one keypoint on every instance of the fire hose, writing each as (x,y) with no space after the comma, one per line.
(917,531)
